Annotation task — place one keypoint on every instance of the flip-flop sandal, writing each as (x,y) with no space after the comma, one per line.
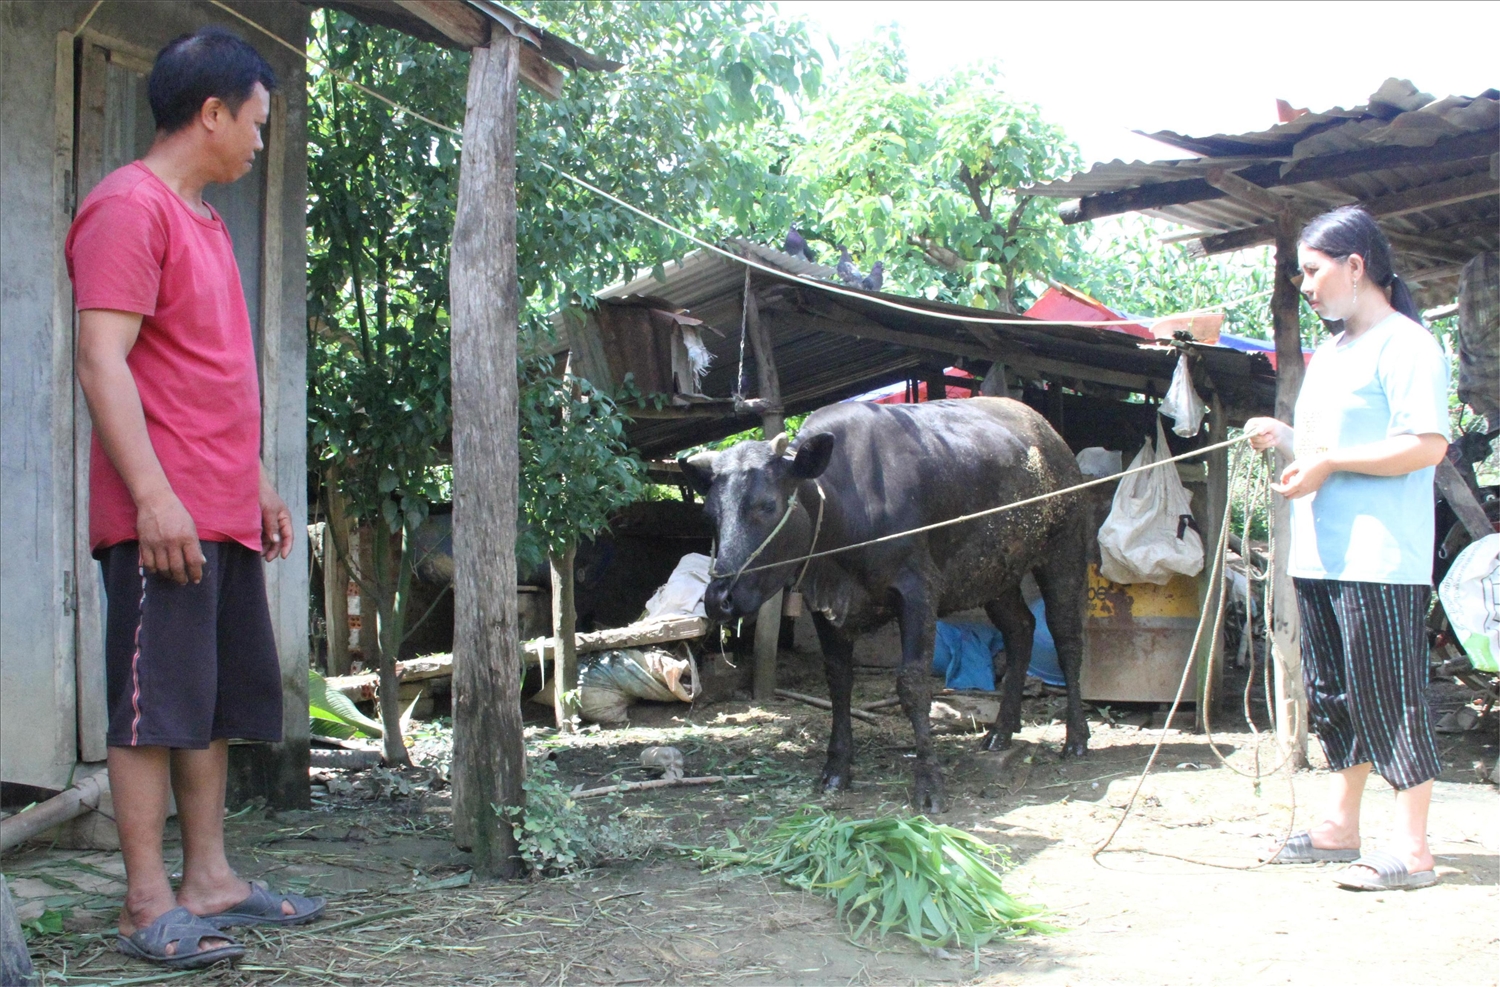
(263,907)
(184,930)
(1382,871)
(1300,850)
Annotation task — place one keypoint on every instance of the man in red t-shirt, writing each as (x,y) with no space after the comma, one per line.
(182,515)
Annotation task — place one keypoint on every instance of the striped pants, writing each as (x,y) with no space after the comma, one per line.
(1364,661)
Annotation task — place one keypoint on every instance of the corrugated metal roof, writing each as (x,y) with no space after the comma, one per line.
(817,365)
(1397,115)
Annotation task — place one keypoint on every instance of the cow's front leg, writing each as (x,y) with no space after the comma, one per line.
(838,663)
(1012,616)
(914,687)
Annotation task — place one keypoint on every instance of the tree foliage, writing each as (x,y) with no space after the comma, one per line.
(669,131)
(575,465)
(923,176)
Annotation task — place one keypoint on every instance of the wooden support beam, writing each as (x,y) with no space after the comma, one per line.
(656,630)
(1251,194)
(1286,645)
(715,409)
(489,753)
(767,641)
(565,644)
(1210,656)
(541,75)
(993,348)
(1268,175)
(1451,192)
(773,422)
(467,27)
(1450,482)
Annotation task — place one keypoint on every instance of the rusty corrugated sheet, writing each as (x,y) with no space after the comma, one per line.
(1397,115)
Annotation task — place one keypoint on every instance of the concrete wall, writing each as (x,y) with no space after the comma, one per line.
(41,728)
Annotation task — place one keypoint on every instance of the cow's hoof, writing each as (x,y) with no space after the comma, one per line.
(1075,748)
(927,796)
(834,780)
(994,740)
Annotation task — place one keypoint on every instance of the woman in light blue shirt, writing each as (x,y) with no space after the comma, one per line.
(1371,423)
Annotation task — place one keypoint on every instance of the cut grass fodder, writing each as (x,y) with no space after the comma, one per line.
(934,884)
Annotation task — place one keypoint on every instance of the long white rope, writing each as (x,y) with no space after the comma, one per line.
(963,518)
(1217,578)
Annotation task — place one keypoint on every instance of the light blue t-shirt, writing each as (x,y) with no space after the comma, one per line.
(1391,380)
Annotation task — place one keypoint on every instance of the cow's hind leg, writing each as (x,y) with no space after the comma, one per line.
(1062,576)
(1010,614)
(838,663)
(914,687)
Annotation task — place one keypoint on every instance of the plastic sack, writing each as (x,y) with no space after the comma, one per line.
(682,593)
(1150,535)
(1096,461)
(610,683)
(1182,404)
(1471,599)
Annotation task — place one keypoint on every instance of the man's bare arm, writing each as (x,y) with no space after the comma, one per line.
(168,536)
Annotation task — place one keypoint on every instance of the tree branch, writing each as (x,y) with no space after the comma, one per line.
(976,193)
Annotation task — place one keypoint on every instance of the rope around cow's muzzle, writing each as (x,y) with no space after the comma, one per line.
(791,506)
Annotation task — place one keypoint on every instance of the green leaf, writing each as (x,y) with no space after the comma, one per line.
(332,705)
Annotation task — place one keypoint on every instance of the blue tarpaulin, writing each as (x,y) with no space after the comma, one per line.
(963,653)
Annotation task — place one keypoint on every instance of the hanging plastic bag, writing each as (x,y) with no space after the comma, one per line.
(1150,534)
(1471,599)
(1182,404)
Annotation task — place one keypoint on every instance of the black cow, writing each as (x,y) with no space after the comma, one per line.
(883,469)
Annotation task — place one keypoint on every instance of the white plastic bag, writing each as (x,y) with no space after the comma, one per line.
(1149,535)
(1471,599)
(1097,461)
(682,593)
(1182,404)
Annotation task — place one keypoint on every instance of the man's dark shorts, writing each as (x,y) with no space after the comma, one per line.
(191,664)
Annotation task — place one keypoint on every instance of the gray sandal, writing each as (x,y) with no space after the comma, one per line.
(263,907)
(1300,850)
(1389,874)
(184,930)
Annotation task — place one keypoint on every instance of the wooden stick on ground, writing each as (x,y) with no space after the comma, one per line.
(881,704)
(636,786)
(801,697)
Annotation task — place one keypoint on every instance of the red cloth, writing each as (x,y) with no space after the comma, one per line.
(136,246)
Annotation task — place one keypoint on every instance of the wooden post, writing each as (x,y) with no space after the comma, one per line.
(1286,645)
(564,628)
(1210,655)
(489,756)
(336,541)
(773,423)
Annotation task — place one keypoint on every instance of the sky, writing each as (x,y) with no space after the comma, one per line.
(1102,70)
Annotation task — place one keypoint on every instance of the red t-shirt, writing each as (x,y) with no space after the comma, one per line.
(136,246)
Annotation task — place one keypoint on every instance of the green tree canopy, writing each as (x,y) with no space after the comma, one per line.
(923,177)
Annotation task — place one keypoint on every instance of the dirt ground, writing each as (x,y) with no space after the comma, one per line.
(1174,905)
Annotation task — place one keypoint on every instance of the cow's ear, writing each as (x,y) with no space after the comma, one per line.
(699,471)
(812,457)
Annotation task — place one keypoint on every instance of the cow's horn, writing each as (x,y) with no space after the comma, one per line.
(778,445)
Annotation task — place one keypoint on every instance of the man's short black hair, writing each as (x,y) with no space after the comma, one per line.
(209,62)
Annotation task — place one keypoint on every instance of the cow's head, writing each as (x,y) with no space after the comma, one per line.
(747,490)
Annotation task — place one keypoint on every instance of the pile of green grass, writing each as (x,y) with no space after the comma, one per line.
(934,884)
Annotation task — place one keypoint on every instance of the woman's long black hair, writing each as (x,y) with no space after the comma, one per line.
(1351,230)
